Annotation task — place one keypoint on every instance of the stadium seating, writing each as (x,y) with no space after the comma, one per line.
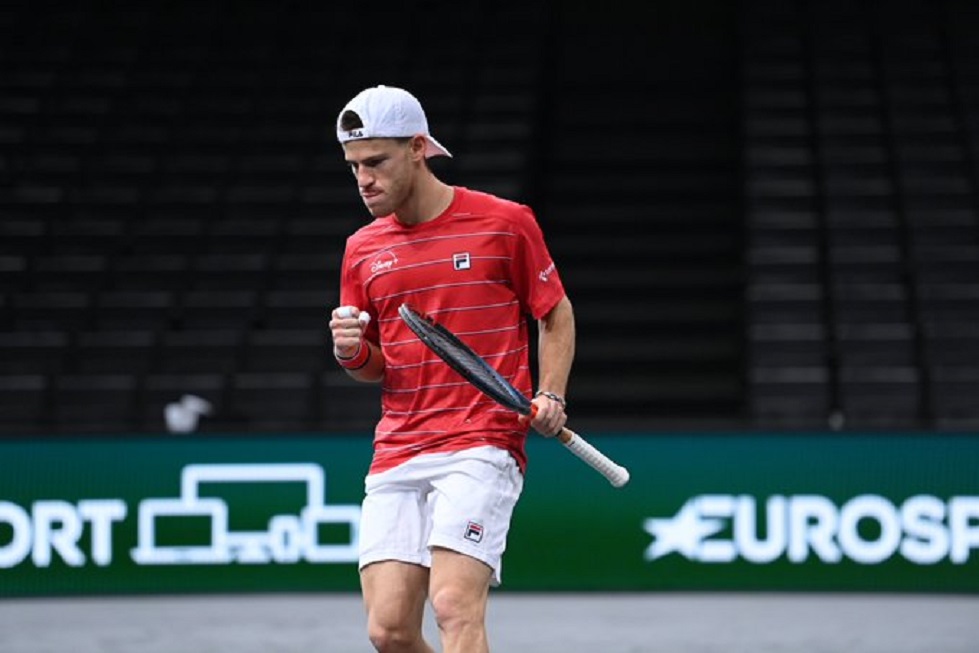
(766,213)
(861,192)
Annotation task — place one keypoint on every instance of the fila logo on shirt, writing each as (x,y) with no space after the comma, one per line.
(474,532)
(461,261)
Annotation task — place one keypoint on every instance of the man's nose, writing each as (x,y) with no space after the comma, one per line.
(364,177)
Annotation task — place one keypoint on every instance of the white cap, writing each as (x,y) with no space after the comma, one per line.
(389,112)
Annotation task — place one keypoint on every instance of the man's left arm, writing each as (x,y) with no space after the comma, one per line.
(555,353)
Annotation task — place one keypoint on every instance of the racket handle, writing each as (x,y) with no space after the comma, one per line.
(617,475)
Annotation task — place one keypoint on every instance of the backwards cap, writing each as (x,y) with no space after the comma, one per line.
(389,112)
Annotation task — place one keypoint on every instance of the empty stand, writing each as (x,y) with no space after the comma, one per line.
(79,272)
(134,309)
(21,236)
(217,270)
(24,409)
(211,351)
(218,309)
(285,350)
(299,309)
(34,352)
(636,187)
(165,272)
(306,271)
(13,273)
(125,351)
(766,214)
(270,401)
(87,403)
(861,183)
(51,310)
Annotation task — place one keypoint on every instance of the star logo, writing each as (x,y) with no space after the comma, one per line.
(682,533)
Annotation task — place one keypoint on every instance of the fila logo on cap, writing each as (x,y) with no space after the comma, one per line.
(461,261)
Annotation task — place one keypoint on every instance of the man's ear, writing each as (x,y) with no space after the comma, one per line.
(418,145)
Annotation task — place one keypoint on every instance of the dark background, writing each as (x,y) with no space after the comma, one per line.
(765,213)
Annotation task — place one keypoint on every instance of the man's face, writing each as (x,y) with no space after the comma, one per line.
(383,168)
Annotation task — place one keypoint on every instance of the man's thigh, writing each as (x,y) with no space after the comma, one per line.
(394,594)
(462,573)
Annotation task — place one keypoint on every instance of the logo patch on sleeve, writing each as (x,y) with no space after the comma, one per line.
(474,532)
(461,261)
(546,273)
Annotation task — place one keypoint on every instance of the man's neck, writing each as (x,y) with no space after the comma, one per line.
(430,200)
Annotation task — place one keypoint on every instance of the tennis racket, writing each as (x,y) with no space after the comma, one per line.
(478,372)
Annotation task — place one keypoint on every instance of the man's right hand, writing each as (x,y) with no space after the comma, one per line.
(347,326)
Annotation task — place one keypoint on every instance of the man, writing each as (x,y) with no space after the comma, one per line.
(448,462)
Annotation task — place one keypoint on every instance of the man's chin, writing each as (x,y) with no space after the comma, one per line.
(377,210)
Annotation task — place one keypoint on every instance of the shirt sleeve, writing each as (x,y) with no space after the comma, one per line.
(535,277)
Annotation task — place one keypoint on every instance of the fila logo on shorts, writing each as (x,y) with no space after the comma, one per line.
(461,261)
(474,532)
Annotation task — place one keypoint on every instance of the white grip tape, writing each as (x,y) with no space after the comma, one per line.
(348,311)
(616,474)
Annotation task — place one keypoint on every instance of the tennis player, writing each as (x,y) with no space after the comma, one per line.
(448,462)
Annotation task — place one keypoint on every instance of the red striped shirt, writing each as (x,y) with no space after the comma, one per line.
(479,268)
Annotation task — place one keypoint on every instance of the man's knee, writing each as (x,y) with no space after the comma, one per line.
(394,594)
(456,609)
(392,638)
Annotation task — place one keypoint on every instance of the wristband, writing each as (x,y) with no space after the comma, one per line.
(552,397)
(358,360)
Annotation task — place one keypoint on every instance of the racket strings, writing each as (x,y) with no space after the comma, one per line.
(465,361)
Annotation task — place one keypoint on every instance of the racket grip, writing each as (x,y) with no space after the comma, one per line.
(616,474)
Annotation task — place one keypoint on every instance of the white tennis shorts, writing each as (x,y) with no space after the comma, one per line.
(461,501)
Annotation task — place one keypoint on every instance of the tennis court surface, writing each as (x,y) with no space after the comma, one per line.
(519,623)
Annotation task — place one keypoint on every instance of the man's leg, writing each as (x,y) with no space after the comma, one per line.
(459,591)
(394,596)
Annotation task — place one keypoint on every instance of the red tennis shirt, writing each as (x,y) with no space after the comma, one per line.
(479,268)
